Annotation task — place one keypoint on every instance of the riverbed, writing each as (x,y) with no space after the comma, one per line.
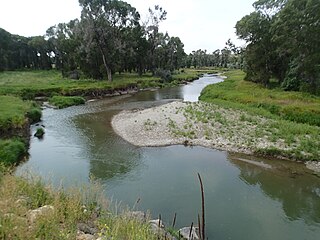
(247,197)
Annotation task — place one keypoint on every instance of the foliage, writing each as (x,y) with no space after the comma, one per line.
(17,52)
(283,42)
(165,75)
(228,57)
(11,151)
(293,106)
(108,38)
(39,133)
(34,114)
(63,101)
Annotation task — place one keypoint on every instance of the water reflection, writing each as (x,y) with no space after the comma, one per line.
(109,154)
(287,183)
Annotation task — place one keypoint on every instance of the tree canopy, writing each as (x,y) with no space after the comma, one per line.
(283,42)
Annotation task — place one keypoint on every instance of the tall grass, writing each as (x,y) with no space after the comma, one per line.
(18,196)
(11,151)
(13,111)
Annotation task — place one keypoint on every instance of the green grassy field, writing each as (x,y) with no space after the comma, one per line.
(238,93)
(13,112)
(29,84)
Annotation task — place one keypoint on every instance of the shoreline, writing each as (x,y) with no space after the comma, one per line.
(201,124)
(151,128)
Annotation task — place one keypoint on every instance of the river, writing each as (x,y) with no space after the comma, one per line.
(247,197)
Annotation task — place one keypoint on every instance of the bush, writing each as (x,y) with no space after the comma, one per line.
(39,133)
(165,75)
(34,115)
(63,101)
(11,151)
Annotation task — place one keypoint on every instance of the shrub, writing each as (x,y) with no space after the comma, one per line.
(165,75)
(39,133)
(11,151)
(63,101)
(34,115)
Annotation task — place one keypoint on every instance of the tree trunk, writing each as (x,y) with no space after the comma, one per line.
(108,69)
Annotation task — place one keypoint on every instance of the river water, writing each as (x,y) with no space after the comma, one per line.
(247,197)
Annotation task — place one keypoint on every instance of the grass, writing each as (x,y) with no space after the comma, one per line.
(18,196)
(66,101)
(243,131)
(292,119)
(238,93)
(30,84)
(11,150)
(13,112)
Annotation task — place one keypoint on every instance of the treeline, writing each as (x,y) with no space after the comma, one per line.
(283,43)
(109,37)
(228,57)
(17,52)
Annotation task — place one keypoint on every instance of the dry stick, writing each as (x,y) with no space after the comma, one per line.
(190,230)
(159,220)
(174,220)
(136,203)
(199,227)
(203,213)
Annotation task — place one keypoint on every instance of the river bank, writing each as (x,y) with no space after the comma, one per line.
(213,126)
(22,93)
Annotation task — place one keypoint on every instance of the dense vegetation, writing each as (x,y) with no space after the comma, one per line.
(283,43)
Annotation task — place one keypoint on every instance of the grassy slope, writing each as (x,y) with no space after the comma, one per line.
(294,106)
(13,118)
(295,116)
(13,112)
(18,196)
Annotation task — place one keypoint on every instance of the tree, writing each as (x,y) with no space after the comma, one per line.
(255,30)
(156,16)
(297,37)
(62,37)
(103,23)
(283,40)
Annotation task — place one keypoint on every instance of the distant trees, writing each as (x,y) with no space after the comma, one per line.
(283,42)
(228,57)
(108,38)
(18,52)
(64,43)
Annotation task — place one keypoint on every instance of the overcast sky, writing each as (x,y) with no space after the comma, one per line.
(205,24)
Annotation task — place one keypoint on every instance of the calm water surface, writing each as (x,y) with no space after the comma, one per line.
(269,199)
